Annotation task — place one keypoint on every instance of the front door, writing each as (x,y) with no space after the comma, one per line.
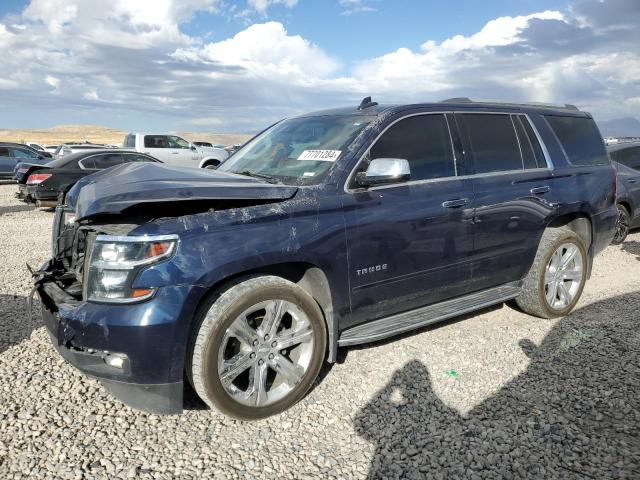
(409,244)
(7,162)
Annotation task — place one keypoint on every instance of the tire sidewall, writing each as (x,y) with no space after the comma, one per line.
(565,238)
(214,390)
(621,210)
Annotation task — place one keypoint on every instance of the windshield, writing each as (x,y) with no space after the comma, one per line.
(299,151)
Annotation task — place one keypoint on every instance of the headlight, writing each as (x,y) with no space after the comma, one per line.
(116,261)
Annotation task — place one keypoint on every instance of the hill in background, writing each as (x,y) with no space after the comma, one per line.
(620,127)
(99,134)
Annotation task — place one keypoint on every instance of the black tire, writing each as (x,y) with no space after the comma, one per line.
(622,225)
(532,299)
(217,314)
(212,165)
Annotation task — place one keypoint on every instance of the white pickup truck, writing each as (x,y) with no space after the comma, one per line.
(175,150)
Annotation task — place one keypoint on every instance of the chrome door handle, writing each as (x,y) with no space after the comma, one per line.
(539,190)
(459,202)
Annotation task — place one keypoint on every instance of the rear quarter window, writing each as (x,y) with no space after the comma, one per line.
(130,141)
(580,139)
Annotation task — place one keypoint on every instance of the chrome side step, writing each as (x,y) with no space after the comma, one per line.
(406,321)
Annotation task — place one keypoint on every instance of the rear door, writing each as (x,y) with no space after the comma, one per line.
(157,146)
(7,162)
(514,194)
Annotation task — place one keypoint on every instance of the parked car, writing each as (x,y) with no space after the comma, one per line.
(13,153)
(330,229)
(39,148)
(69,148)
(175,150)
(626,157)
(45,183)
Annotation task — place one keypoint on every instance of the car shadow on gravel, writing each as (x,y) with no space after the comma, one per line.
(632,247)
(15,324)
(574,412)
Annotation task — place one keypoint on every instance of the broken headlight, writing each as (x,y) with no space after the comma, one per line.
(116,261)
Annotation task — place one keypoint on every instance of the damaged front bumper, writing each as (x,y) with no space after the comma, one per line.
(136,351)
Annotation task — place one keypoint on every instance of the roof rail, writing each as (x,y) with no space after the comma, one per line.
(566,106)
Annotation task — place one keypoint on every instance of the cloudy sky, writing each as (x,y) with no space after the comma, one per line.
(236,66)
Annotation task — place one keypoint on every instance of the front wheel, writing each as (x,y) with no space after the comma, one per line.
(556,279)
(622,225)
(258,349)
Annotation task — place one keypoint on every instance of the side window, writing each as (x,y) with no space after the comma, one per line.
(107,160)
(177,142)
(20,153)
(424,141)
(629,157)
(4,152)
(130,141)
(493,142)
(580,139)
(155,141)
(532,155)
(133,157)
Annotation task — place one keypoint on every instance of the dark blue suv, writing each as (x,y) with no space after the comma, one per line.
(335,228)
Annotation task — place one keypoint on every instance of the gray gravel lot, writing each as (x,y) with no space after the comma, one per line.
(497,394)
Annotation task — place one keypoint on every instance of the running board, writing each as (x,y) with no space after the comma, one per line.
(406,321)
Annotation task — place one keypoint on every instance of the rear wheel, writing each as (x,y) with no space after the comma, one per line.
(622,225)
(555,282)
(259,347)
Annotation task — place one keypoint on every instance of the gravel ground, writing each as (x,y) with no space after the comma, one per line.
(497,394)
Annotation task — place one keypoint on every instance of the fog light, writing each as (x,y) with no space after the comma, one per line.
(115,361)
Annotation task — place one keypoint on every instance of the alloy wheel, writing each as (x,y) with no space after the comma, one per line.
(265,353)
(563,276)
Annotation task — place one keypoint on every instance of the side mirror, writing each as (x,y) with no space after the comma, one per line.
(193,147)
(383,171)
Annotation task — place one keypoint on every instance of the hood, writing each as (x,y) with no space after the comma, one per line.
(115,189)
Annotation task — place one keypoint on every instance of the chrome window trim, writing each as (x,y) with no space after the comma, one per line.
(515,131)
(550,166)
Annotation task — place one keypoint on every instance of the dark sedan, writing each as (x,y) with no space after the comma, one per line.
(626,157)
(43,184)
(13,153)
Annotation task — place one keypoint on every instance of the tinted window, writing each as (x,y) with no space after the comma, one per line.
(629,157)
(532,156)
(105,161)
(177,142)
(130,141)
(493,142)
(424,141)
(23,153)
(4,152)
(155,141)
(136,157)
(580,138)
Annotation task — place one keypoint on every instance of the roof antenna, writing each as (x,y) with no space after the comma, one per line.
(366,103)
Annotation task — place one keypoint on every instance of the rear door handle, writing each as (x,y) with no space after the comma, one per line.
(539,190)
(459,202)
(632,180)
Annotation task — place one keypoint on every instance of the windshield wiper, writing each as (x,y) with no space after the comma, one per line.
(262,176)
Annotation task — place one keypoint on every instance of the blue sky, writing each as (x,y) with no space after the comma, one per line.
(218,65)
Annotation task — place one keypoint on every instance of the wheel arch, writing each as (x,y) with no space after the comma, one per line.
(309,277)
(210,161)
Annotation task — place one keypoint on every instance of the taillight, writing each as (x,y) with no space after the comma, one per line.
(37,178)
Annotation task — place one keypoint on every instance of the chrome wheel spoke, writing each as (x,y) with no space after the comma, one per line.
(552,292)
(241,330)
(257,391)
(235,366)
(290,372)
(573,274)
(563,294)
(289,338)
(273,315)
(569,256)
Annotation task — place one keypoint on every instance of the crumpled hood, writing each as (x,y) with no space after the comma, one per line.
(118,188)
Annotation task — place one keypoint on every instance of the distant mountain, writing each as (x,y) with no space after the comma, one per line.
(620,127)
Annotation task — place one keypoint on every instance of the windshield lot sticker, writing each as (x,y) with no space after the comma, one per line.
(320,155)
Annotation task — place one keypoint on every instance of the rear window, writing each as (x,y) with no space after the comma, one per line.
(155,141)
(4,152)
(136,157)
(129,141)
(629,157)
(493,142)
(580,139)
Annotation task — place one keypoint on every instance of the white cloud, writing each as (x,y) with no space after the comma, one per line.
(261,6)
(351,7)
(132,60)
